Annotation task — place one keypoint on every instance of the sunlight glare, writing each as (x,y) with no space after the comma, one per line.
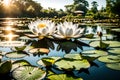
(6,2)
(10,36)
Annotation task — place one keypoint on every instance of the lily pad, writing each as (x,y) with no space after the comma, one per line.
(111,43)
(73,56)
(47,61)
(114,50)
(115,66)
(16,54)
(62,77)
(39,50)
(5,67)
(69,64)
(28,73)
(19,63)
(94,53)
(109,59)
(20,48)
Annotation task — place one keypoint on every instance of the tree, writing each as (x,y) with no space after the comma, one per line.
(78,5)
(94,7)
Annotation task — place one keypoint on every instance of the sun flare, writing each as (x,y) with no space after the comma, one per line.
(6,2)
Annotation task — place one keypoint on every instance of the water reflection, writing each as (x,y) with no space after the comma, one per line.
(54,47)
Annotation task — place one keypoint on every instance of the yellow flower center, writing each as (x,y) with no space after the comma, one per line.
(41,25)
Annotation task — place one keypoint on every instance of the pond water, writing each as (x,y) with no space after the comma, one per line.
(15,33)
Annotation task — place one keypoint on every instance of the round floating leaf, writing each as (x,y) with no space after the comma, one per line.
(91,39)
(16,54)
(115,66)
(47,61)
(89,35)
(70,64)
(5,67)
(114,50)
(20,48)
(19,63)
(28,73)
(111,43)
(73,56)
(109,59)
(62,77)
(39,50)
(94,53)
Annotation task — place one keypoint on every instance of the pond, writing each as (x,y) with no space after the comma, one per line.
(93,56)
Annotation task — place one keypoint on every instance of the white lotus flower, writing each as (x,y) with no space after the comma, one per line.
(42,28)
(68,30)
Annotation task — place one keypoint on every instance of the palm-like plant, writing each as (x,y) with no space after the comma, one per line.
(68,30)
(42,28)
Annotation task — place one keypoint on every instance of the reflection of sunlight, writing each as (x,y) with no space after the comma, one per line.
(8,28)
(6,2)
(10,36)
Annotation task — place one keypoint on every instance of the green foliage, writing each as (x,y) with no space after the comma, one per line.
(5,67)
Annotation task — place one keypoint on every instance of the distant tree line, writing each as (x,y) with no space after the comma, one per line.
(30,8)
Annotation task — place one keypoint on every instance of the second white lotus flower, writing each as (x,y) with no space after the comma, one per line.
(68,30)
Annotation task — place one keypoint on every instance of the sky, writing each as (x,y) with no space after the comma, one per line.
(59,4)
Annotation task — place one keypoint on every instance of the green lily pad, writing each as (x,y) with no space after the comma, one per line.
(114,50)
(109,59)
(111,43)
(28,73)
(16,54)
(89,35)
(19,63)
(94,53)
(91,39)
(73,56)
(70,64)
(39,50)
(115,66)
(62,77)
(47,61)
(5,67)
(20,48)
(116,29)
